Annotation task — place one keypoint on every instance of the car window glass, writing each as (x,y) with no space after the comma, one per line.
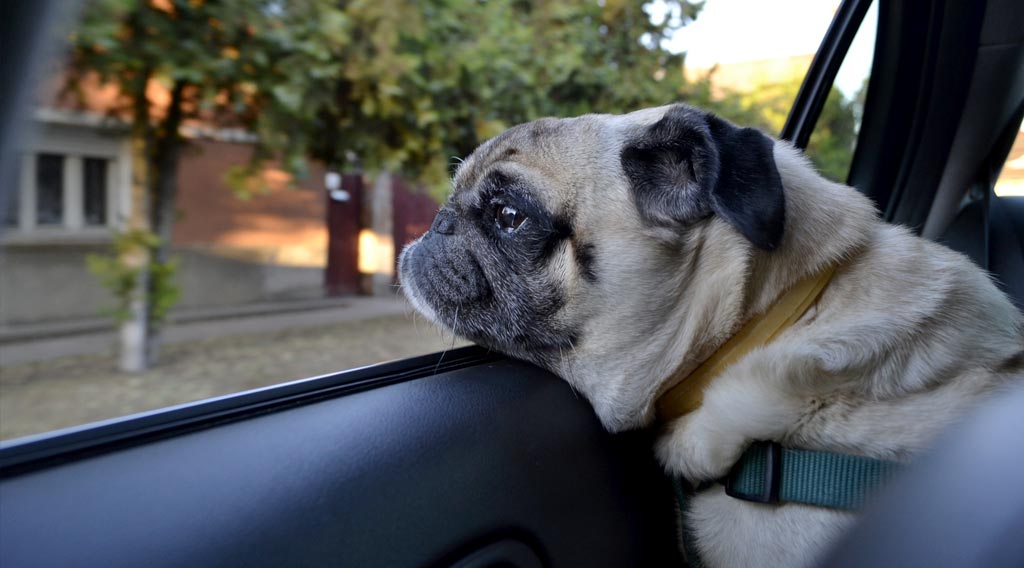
(1011,178)
(235,181)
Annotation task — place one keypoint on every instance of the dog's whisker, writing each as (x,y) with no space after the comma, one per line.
(415,322)
(455,325)
(573,346)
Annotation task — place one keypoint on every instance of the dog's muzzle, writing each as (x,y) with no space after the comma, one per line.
(444,269)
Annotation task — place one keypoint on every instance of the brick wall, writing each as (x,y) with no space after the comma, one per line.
(283,225)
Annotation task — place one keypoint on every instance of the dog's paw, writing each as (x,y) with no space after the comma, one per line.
(697,450)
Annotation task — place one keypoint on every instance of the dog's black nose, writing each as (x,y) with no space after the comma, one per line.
(444,223)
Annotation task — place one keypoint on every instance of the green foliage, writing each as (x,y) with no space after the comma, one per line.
(117,278)
(508,62)
(163,290)
(121,279)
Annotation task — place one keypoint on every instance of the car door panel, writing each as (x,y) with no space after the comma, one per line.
(422,472)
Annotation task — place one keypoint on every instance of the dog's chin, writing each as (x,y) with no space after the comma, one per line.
(617,416)
(618,406)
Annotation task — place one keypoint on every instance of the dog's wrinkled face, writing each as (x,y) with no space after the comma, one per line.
(563,242)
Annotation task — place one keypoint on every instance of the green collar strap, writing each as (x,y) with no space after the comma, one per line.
(769,473)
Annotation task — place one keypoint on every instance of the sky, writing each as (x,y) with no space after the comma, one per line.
(732,31)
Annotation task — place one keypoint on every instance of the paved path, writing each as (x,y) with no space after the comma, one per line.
(205,359)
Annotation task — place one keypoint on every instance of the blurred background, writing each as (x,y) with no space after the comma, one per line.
(211,194)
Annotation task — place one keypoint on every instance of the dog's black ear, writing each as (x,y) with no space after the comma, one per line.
(690,164)
(748,193)
(671,166)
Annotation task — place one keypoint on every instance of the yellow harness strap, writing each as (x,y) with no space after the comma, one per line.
(688,392)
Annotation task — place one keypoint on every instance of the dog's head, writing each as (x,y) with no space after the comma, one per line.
(568,242)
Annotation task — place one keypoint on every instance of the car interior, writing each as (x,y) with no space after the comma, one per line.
(472,459)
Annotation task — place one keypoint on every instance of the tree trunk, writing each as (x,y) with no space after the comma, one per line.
(164,199)
(134,328)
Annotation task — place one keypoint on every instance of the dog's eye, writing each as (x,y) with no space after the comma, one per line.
(509,218)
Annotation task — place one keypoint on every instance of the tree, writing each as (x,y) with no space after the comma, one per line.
(172,61)
(401,85)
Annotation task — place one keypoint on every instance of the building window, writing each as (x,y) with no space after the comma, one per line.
(58,192)
(94,187)
(49,189)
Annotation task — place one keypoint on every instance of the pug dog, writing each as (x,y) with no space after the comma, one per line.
(620,252)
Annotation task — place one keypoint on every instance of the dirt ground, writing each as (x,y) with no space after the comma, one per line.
(68,391)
